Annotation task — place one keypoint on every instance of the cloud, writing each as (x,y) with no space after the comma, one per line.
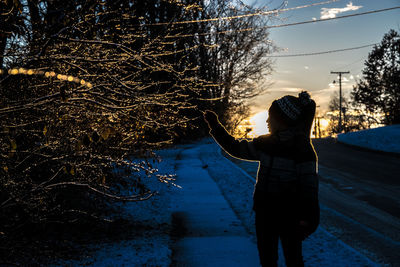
(328,13)
(284,71)
(279,89)
(286,89)
(323,91)
(306,67)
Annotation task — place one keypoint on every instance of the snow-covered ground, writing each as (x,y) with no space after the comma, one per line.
(207,222)
(151,243)
(385,138)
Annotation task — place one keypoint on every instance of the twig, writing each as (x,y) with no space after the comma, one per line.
(115,197)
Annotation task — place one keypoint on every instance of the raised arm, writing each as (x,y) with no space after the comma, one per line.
(240,149)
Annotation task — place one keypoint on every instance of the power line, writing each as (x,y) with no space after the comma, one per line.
(352,63)
(269,12)
(324,52)
(338,17)
(282,25)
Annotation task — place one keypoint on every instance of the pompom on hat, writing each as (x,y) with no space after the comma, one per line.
(294,111)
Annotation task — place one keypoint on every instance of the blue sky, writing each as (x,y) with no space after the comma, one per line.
(312,73)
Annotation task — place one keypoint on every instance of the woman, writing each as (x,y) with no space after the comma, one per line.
(286,191)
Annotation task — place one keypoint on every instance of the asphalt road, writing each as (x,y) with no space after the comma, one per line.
(360,198)
(363,170)
(366,165)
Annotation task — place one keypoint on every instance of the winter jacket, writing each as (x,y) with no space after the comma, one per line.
(287,168)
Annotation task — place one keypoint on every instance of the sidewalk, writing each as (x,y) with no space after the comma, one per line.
(206,230)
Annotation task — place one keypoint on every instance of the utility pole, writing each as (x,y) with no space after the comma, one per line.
(340,95)
(316,124)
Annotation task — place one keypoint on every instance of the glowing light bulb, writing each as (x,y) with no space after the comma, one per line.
(13,71)
(47,74)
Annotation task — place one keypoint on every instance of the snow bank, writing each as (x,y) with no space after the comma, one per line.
(385,139)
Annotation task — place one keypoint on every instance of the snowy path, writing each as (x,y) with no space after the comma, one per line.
(206,230)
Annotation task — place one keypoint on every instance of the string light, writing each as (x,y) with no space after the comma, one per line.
(47,74)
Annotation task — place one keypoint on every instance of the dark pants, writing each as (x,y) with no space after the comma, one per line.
(274,222)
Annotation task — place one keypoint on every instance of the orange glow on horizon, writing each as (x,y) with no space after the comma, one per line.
(257,125)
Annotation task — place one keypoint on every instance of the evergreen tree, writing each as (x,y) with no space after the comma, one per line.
(379,89)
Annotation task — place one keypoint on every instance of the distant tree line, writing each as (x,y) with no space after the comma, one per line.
(84,85)
(375,99)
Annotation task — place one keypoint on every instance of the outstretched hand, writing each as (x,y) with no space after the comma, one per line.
(210,117)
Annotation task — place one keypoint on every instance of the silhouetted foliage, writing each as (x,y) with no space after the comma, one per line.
(379,89)
(85,85)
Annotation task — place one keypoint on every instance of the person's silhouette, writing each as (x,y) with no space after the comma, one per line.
(286,192)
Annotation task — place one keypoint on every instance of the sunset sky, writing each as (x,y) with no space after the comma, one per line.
(312,73)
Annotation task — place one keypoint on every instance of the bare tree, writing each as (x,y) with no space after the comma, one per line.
(80,97)
(87,85)
(354,117)
(238,61)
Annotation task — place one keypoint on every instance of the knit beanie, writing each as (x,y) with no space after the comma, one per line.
(294,111)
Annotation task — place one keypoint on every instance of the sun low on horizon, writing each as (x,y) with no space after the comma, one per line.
(259,122)
(256,125)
